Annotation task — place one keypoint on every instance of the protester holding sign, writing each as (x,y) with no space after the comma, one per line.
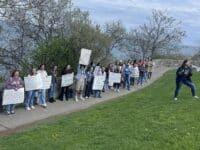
(30,95)
(80,82)
(42,92)
(98,72)
(53,87)
(65,89)
(183,76)
(117,85)
(15,83)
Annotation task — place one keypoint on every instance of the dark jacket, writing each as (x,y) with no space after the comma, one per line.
(183,73)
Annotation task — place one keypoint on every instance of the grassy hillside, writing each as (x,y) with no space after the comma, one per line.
(146,120)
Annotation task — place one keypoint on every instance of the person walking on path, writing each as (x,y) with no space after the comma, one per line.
(183,76)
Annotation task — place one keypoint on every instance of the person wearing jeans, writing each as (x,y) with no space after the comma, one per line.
(89,82)
(126,74)
(53,88)
(15,83)
(183,76)
(42,92)
(30,95)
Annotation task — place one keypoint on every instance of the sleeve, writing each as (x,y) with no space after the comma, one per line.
(9,84)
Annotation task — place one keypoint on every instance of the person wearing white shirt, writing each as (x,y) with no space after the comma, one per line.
(42,92)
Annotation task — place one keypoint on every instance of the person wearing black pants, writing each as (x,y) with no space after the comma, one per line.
(183,76)
(65,90)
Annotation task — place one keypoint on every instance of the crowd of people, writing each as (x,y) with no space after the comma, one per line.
(133,73)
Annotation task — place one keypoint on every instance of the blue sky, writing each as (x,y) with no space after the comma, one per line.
(135,12)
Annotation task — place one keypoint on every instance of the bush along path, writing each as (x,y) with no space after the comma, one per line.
(12,123)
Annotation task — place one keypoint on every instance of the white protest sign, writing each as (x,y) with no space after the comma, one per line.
(98,82)
(67,80)
(85,56)
(13,97)
(33,82)
(46,82)
(114,78)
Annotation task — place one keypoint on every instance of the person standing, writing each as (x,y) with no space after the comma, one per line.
(30,95)
(126,75)
(80,82)
(53,88)
(183,76)
(150,68)
(135,73)
(65,90)
(42,92)
(15,83)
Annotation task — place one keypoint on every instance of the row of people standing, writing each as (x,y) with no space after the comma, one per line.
(132,73)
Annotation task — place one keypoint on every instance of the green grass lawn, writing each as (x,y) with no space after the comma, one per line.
(145,120)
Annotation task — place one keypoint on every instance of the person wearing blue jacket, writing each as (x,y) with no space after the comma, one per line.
(127,75)
(183,76)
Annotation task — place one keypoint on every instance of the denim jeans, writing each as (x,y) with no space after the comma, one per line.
(97,93)
(10,108)
(52,91)
(30,98)
(127,81)
(188,83)
(42,96)
(141,79)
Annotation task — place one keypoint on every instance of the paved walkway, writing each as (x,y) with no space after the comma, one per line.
(23,117)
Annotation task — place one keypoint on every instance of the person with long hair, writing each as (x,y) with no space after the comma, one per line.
(65,90)
(30,95)
(14,82)
(183,76)
(42,92)
(53,88)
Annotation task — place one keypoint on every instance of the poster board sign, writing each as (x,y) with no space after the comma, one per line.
(46,82)
(98,83)
(85,56)
(13,97)
(67,80)
(114,78)
(33,82)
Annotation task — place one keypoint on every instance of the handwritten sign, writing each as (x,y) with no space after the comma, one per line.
(67,80)
(85,56)
(114,78)
(13,97)
(33,82)
(98,83)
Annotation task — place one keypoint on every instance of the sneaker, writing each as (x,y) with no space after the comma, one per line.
(12,112)
(76,98)
(86,97)
(32,107)
(196,97)
(83,99)
(28,108)
(8,113)
(175,98)
(44,105)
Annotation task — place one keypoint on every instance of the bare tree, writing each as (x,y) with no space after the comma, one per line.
(160,35)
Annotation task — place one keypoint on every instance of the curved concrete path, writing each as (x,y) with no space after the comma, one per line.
(22,117)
